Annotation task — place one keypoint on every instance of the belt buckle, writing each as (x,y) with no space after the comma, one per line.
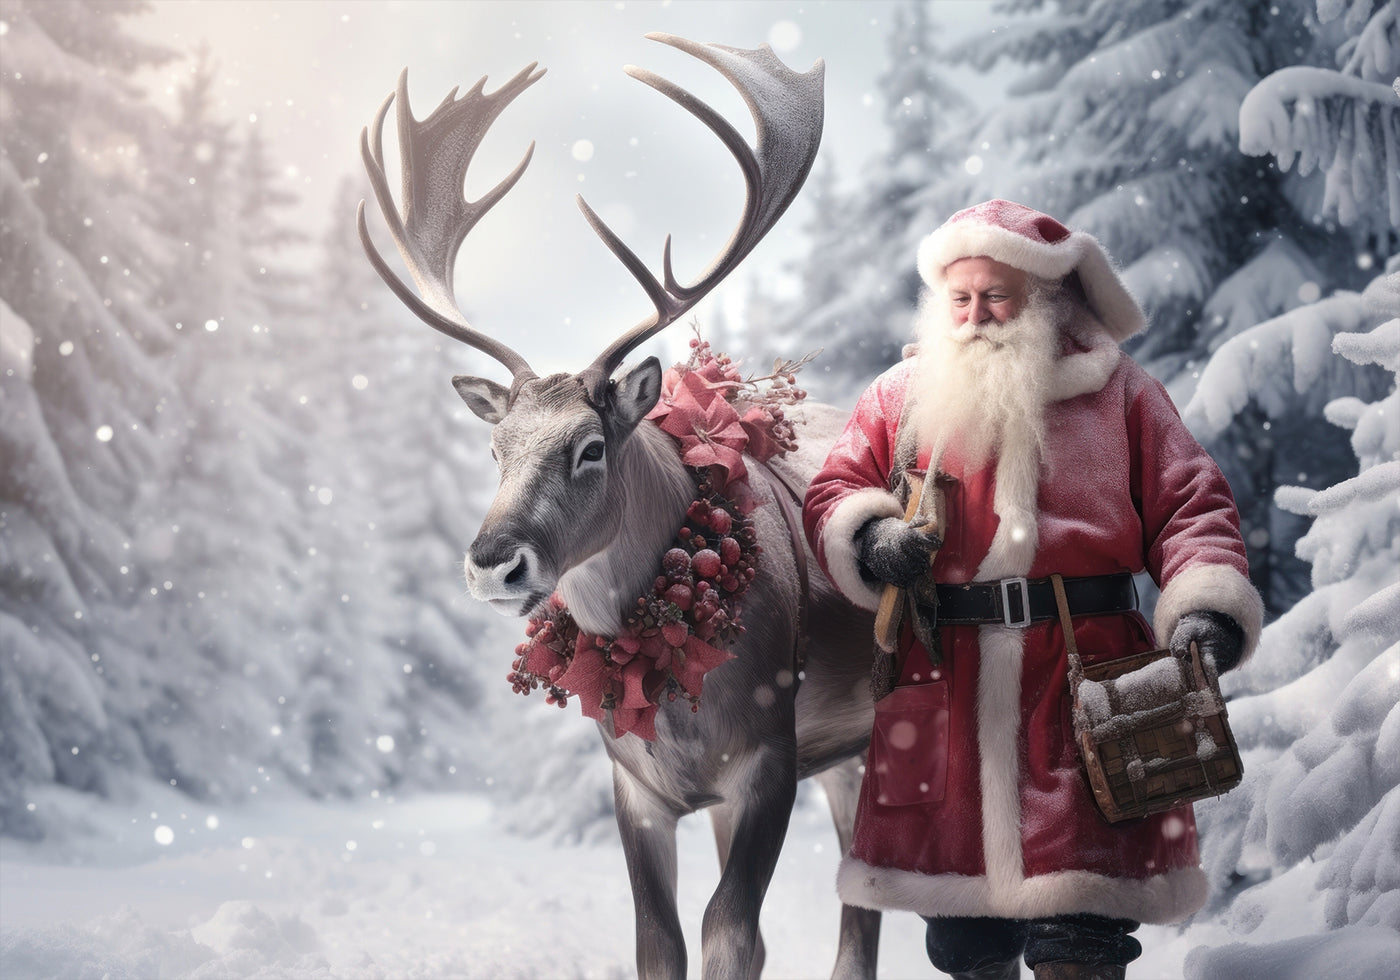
(1005,586)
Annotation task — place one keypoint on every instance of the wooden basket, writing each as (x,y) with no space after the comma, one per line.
(1151,727)
(1162,757)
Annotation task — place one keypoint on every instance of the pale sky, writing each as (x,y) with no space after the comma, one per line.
(312,72)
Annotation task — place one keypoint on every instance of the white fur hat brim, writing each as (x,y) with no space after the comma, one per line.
(974,232)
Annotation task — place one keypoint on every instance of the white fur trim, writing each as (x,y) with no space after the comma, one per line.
(965,239)
(1088,371)
(1163,898)
(1215,588)
(1080,252)
(999,658)
(838,538)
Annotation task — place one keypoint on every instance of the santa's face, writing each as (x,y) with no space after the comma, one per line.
(983,294)
(991,342)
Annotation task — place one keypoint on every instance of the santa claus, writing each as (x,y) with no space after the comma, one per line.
(1056,454)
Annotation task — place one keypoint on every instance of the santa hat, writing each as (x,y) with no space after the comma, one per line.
(1025,239)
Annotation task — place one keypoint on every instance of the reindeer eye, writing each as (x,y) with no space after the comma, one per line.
(592,452)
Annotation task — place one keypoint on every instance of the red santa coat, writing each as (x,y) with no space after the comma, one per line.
(973,801)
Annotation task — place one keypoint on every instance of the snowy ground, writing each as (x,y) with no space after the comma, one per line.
(427,887)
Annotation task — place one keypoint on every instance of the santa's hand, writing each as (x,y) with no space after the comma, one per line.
(891,551)
(1216,635)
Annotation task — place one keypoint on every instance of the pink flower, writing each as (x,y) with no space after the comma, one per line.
(634,684)
(700,659)
(588,678)
(657,650)
(639,721)
(540,660)
(759,427)
(624,648)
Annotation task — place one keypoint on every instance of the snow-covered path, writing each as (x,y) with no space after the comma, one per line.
(429,887)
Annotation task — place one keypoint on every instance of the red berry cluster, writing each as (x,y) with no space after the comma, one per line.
(556,632)
(706,574)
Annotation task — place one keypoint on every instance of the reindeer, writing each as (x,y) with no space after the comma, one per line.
(590,496)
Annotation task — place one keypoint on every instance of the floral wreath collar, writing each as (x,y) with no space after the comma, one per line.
(679,631)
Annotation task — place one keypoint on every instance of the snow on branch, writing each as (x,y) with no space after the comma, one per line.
(1114,65)
(1375,53)
(1380,346)
(1347,127)
(1265,286)
(1270,363)
(1377,614)
(1165,273)
(1205,105)
(1128,218)
(1025,42)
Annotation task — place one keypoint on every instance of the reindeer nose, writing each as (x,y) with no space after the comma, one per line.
(497,569)
(491,551)
(518,570)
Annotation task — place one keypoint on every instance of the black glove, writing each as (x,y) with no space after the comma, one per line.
(1216,635)
(891,551)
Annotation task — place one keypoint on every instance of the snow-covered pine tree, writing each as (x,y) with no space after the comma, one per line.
(859,284)
(1317,712)
(81,390)
(195,204)
(1343,123)
(408,492)
(162,611)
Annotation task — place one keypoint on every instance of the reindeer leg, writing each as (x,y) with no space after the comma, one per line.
(859,947)
(649,844)
(758,810)
(722,820)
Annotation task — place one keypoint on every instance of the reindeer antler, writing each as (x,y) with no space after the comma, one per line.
(435,154)
(787,112)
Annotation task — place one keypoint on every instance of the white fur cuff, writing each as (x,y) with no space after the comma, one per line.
(1214,588)
(839,544)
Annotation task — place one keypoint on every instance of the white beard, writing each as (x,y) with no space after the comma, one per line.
(982,391)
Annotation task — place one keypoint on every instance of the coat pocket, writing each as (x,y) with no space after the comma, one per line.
(908,761)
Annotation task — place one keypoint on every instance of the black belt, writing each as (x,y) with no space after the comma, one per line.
(1018,602)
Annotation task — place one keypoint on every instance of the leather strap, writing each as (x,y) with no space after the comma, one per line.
(1076,666)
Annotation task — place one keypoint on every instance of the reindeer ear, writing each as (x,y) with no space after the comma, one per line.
(636,392)
(488,400)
